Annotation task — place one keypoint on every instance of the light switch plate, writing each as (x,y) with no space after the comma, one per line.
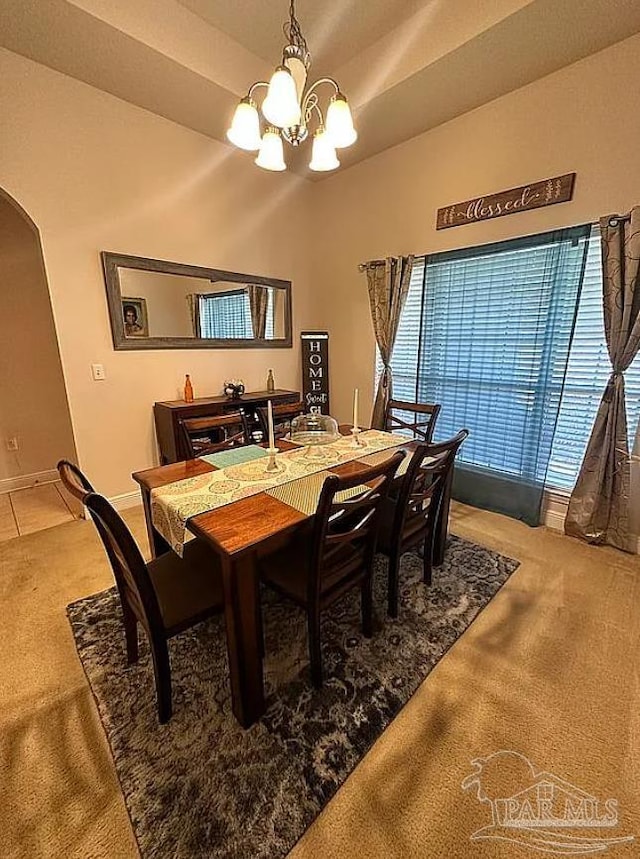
(97,371)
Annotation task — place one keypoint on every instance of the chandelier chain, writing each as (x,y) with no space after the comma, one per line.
(293,31)
(290,107)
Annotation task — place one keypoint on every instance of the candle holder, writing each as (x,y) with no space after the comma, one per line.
(355,437)
(272,465)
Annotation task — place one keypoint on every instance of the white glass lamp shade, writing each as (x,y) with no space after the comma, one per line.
(271,155)
(281,107)
(323,155)
(340,122)
(245,127)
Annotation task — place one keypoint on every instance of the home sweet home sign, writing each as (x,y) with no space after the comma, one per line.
(315,371)
(558,189)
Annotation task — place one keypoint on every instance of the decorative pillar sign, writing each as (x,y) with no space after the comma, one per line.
(315,371)
(559,189)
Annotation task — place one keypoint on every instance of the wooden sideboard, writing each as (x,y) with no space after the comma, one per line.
(168,414)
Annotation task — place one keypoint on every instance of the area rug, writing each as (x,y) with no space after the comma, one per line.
(201,786)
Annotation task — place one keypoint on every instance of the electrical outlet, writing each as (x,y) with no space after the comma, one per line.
(12,443)
(97,371)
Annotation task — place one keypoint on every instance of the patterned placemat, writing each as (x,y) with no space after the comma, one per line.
(174,504)
(304,494)
(235,455)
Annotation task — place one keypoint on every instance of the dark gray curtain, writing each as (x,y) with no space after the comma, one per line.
(258,302)
(388,284)
(599,505)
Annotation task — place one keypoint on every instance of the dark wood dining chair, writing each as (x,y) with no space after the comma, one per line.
(409,514)
(166,596)
(201,436)
(336,554)
(283,414)
(421,425)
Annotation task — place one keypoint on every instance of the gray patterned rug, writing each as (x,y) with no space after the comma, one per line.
(201,786)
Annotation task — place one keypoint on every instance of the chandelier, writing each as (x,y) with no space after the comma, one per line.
(290,108)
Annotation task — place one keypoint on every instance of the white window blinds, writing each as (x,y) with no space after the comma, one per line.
(587,373)
(484,352)
(225,315)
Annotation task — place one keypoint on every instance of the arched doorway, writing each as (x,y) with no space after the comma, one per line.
(35,424)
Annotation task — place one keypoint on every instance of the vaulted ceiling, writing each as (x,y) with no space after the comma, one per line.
(406,65)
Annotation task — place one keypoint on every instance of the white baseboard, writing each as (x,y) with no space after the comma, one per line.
(26,481)
(126,500)
(554,510)
(121,502)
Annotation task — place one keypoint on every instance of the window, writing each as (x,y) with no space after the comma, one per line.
(474,337)
(225,315)
(587,373)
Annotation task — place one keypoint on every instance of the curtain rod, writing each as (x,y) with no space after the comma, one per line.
(614,220)
(372,262)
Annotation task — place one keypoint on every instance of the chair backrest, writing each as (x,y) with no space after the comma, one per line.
(421,425)
(129,568)
(79,485)
(420,493)
(345,528)
(213,433)
(127,563)
(283,414)
(73,480)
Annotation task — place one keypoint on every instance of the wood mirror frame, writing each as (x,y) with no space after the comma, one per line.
(111,263)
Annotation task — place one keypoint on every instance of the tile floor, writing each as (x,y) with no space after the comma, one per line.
(34,509)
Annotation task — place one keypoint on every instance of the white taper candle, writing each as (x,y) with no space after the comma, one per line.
(272,442)
(355,408)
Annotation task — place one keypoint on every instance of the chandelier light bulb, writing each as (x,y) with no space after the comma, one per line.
(245,127)
(323,154)
(293,107)
(271,155)
(340,122)
(281,106)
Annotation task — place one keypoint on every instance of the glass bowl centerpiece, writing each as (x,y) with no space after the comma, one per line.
(313,431)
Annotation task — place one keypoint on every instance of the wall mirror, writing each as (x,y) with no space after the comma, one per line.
(154,304)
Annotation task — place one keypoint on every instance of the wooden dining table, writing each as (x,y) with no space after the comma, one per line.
(239,533)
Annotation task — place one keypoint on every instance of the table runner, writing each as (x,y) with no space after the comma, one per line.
(377,458)
(174,504)
(303,494)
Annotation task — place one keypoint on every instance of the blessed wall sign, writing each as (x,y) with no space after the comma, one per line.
(559,189)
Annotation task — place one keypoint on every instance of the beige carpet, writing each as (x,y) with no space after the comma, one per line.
(550,670)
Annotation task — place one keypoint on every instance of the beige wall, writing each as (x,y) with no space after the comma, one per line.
(97,174)
(585,118)
(33,402)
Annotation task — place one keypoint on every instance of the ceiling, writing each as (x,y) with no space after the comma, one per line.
(406,65)
(335,30)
